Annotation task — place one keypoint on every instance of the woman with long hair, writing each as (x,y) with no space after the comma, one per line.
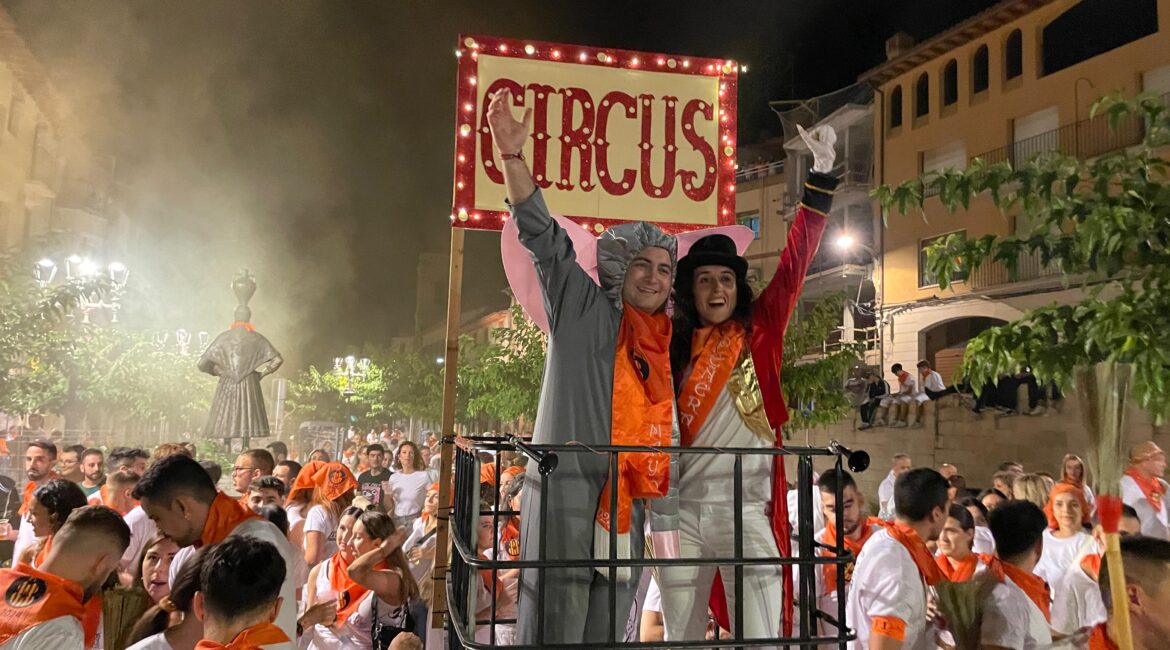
(333,492)
(420,545)
(171,624)
(1031,487)
(408,485)
(1065,540)
(1073,472)
(382,568)
(296,504)
(154,567)
(956,556)
(329,584)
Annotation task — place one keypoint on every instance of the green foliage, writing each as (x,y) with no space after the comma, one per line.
(1104,222)
(813,387)
(503,379)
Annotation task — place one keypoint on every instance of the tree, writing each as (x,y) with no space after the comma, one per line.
(813,386)
(1104,223)
(503,378)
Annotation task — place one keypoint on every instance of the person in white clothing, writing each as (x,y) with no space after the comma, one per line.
(1143,488)
(408,486)
(904,403)
(1065,538)
(1015,616)
(239,597)
(1072,470)
(886,604)
(334,489)
(886,509)
(1076,598)
(984,541)
(1146,563)
(171,623)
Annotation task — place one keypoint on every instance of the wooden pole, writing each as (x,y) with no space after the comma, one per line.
(447,455)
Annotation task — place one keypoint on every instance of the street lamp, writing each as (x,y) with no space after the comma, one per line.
(79,271)
(440,360)
(44,271)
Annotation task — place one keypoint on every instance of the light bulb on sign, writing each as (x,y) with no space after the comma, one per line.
(583,57)
(529,49)
(556,54)
(503,47)
(634,62)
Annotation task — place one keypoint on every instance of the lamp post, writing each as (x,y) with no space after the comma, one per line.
(80,270)
(349,367)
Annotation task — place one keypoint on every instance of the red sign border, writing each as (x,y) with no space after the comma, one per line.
(466,115)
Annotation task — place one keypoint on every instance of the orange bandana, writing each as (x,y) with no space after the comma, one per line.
(349,593)
(254,638)
(714,352)
(1031,584)
(304,480)
(244,324)
(1151,487)
(643,412)
(829,538)
(29,488)
(961,573)
(487,473)
(32,597)
(223,517)
(334,480)
(909,539)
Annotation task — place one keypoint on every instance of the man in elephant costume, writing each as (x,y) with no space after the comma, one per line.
(240,357)
(606,381)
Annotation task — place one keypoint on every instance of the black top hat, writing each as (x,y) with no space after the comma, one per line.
(712,250)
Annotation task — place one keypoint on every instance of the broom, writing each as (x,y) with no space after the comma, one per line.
(121,609)
(1103,389)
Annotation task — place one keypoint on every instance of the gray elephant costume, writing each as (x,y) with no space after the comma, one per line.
(576,405)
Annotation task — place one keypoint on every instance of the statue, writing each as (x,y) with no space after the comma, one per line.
(240,357)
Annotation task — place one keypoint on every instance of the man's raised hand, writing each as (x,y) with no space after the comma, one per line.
(508,133)
(820,143)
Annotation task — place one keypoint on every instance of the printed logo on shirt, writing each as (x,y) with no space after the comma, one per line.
(25,591)
(512,547)
(849,572)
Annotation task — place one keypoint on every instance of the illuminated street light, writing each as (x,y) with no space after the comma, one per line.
(845,241)
(119,274)
(44,271)
(440,360)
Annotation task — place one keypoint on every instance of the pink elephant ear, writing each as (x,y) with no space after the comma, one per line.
(741,235)
(521,272)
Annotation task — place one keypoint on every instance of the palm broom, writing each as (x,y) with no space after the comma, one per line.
(1103,389)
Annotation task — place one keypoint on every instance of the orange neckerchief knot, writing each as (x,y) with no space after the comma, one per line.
(1032,585)
(225,514)
(253,638)
(1151,487)
(829,538)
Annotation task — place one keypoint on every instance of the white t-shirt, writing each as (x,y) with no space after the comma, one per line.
(25,537)
(1059,555)
(886,497)
(984,543)
(1076,603)
(886,582)
(1012,620)
(653,598)
(321,520)
(54,634)
(142,530)
(153,642)
(264,530)
(934,381)
(1154,524)
(296,514)
(409,492)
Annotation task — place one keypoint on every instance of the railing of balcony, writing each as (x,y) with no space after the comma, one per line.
(1029,266)
(761,170)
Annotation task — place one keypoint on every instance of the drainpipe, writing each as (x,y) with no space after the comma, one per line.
(881,231)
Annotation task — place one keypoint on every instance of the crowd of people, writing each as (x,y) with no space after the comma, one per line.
(324,555)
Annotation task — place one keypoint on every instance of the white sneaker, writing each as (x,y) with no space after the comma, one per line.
(1039,410)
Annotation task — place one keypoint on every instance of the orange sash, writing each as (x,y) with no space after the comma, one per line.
(31,597)
(643,412)
(961,573)
(349,593)
(1031,584)
(909,538)
(714,352)
(253,638)
(1152,488)
(829,538)
(223,517)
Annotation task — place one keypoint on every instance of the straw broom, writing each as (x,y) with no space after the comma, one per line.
(121,609)
(1103,389)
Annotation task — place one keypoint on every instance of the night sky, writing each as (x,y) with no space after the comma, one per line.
(311,141)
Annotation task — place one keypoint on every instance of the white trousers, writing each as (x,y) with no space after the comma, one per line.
(707,530)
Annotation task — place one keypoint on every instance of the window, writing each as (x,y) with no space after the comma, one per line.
(925,277)
(896,107)
(922,96)
(950,83)
(751,220)
(1035,133)
(1013,55)
(980,79)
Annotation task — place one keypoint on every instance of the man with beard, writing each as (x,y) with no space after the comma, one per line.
(178,495)
(39,459)
(606,381)
(93,472)
(858,531)
(43,608)
(69,464)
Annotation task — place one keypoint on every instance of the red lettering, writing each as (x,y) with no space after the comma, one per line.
(576,138)
(669,150)
(486,155)
(710,163)
(601,145)
(540,134)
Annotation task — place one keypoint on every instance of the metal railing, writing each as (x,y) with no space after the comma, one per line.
(1029,266)
(1084,139)
(759,170)
(466,562)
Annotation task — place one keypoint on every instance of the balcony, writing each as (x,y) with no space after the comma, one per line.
(1084,139)
(994,274)
(759,170)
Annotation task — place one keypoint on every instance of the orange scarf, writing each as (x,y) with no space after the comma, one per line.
(304,480)
(829,538)
(961,573)
(29,488)
(254,638)
(33,596)
(1099,639)
(349,593)
(643,412)
(714,352)
(1091,565)
(1031,584)
(1151,487)
(244,324)
(487,473)
(909,539)
(223,517)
